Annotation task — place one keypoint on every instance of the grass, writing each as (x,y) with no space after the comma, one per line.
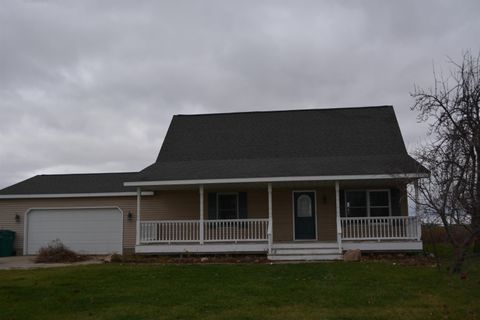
(366,290)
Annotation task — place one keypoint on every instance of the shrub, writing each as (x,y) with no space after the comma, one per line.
(56,251)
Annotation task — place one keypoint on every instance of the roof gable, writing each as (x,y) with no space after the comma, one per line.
(283,134)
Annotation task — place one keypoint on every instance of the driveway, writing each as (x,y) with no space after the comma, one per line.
(26,262)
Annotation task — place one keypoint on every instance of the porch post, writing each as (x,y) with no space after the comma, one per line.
(417,210)
(270,219)
(337,209)
(201,215)
(139,196)
(417,205)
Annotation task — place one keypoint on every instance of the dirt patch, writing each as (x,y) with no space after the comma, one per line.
(403,259)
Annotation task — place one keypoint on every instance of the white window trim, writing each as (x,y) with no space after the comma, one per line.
(226,194)
(367,194)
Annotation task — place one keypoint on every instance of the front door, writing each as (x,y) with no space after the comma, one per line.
(304,215)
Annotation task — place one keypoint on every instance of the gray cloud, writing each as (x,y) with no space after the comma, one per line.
(91,86)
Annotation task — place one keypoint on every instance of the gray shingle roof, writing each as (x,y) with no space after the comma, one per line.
(72,183)
(314,142)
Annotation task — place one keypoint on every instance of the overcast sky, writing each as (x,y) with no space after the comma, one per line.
(92,86)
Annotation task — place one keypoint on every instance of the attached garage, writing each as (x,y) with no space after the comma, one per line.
(84,230)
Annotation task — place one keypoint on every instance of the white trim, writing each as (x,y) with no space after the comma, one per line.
(137,225)
(337,216)
(270,219)
(75,195)
(315,212)
(202,228)
(276,179)
(25,217)
(417,198)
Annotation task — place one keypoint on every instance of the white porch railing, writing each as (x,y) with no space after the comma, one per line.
(169,231)
(381,228)
(177,231)
(236,230)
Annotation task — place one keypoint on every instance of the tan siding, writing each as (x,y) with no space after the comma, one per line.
(163,205)
(171,205)
(326,214)
(282,214)
(9,208)
(257,203)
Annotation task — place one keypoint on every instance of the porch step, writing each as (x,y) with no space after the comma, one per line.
(305,252)
(302,257)
(296,245)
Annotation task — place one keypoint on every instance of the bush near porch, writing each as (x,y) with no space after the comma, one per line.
(336,290)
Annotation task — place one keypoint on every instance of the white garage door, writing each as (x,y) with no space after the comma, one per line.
(93,231)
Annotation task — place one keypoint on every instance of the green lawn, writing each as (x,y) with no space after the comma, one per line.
(367,290)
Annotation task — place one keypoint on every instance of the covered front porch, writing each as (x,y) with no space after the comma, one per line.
(275,223)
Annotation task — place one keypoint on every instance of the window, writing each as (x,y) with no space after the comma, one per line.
(367,203)
(227,206)
(379,203)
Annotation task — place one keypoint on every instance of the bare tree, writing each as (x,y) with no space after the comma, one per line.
(452,192)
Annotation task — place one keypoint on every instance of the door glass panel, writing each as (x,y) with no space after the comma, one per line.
(304,206)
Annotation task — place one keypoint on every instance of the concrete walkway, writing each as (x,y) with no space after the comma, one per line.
(26,262)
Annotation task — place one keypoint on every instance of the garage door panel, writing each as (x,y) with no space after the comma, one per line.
(94,231)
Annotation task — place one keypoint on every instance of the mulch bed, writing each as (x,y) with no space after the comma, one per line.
(403,259)
(190,259)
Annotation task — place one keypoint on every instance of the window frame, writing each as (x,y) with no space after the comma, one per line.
(218,206)
(368,206)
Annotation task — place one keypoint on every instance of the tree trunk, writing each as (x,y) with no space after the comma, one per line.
(475,229)
(476,209)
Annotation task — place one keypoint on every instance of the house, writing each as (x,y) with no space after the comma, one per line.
(298,184)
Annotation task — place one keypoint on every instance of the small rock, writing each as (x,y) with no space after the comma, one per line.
(352,255)
(204,259)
